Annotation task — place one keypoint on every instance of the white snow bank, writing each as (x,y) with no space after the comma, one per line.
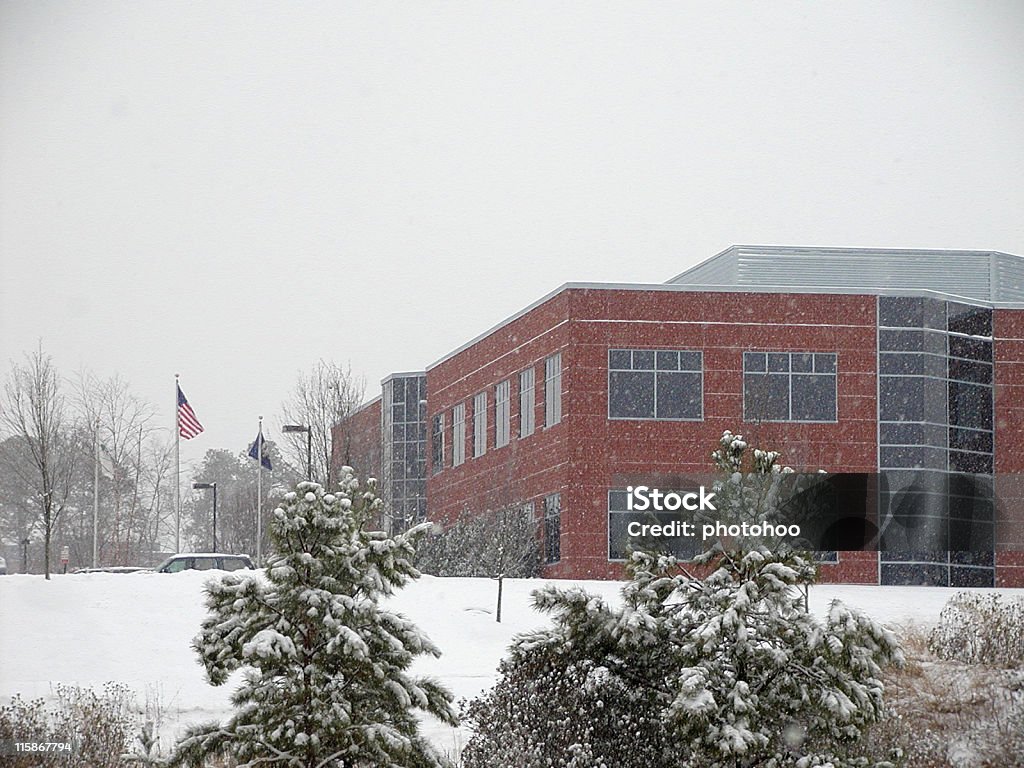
(137,629)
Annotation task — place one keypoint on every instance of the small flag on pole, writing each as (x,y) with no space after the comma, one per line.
(188,424)
(106,462)
(258,450)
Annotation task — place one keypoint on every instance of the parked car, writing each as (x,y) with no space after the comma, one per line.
(205,561)
(3,566)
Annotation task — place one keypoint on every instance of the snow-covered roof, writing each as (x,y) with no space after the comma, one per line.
(986,276)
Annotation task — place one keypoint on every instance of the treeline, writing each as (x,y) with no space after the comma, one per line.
(58,431)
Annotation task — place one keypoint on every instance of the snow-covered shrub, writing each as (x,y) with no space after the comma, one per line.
(722,669)
(503,543)
(549,710)
(99,725)
(980,629)
(326,678)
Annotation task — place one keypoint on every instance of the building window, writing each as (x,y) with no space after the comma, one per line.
(553,528)
(480,424)
(502,413)
(789,386)
(655,384)
(620,543)
(458,434)
(527,403)
(553,390)
(437,444)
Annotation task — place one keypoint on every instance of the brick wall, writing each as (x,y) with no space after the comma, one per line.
(356,441)
(1009,449)
(579,457)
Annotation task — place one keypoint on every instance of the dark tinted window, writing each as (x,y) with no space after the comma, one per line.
(970,349)
(655,384)
(973,321)
(631,394)
(765,397)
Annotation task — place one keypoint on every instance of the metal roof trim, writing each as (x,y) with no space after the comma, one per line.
(697,288)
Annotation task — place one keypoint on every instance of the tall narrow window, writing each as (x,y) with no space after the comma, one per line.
(458,434)
(502,413)
(553,528)
(553,390)
(527,403)
(437,444)
(480,424)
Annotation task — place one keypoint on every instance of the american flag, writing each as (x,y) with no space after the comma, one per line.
(188,424)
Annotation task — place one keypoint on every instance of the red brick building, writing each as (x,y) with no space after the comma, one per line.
(909,363)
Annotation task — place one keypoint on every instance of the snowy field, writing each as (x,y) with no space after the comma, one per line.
(136,629)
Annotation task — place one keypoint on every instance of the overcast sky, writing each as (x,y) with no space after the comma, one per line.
(232,190)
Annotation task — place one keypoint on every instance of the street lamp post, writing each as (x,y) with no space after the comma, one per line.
(309,444)
(203,486)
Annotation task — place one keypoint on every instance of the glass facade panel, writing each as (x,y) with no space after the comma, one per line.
(935,414)
(404,450)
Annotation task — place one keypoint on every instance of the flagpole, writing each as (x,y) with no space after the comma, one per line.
(259,496)
(177,467)
(95,493)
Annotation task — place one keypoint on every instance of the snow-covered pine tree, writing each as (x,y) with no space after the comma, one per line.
(723,669)
(325,680)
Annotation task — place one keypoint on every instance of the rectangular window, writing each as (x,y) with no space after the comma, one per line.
(655,384)
(502,413)
(789,386)
(553,528)
(458,434)
(480,424)
(527,403)
(437,444)
(553,390)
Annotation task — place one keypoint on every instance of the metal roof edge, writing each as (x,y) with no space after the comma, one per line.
(853,253)
(716,257)
(401,375)
(529,308)
(697,288)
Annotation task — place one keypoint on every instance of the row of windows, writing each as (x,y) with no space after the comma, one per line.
(661,384)
(502,415)
(669,385)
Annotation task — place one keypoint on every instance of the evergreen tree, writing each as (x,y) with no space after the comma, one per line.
(325,682)
(713,664)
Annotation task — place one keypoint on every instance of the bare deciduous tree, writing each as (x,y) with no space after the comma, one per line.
(321,398)
(35,412)
(121,423)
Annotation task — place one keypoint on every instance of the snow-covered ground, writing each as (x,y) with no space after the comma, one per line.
(136,629)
